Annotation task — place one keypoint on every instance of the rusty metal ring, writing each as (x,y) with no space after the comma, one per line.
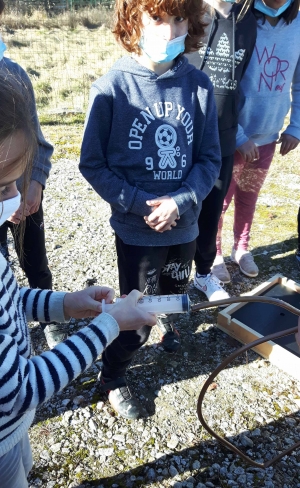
(270,337)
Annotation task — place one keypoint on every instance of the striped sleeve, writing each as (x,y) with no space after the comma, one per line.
(26,383)
(43,305)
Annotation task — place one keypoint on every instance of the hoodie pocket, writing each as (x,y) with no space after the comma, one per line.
(164,184)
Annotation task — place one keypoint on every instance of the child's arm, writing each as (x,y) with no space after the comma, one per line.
(123,196)
(290,138)
(200,179)
(41,162)
(26,383)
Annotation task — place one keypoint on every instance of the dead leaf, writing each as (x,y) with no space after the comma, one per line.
(212,386)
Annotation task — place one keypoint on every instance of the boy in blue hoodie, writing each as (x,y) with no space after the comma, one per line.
(151,149)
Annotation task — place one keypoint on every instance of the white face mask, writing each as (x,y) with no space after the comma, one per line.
(8,207)
(160,50)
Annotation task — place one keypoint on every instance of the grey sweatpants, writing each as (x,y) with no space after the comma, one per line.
(16,464)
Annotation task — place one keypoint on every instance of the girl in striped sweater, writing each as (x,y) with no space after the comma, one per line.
(27,381)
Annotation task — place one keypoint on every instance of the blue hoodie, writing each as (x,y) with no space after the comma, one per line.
(148,136)
(271,84)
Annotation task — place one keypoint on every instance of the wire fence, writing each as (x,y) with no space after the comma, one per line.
(63,53)
(29,6)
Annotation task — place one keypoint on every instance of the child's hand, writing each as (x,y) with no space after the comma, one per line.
(87,302)
(164,214)
(34,196)
(128,315)
(288,143)
(31,205)
(20,214)
(249,151)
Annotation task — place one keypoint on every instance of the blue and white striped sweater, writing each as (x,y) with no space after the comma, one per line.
(25,381)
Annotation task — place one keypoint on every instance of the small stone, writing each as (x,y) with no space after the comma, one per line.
(45,455)
(151,475)
(256,432)
(196,465)
(246,441)
(173,442)
(93,426)
(51,484)
(56,447)
(78,400)
(100,405)
(119,438)
(105,451)
(111,421)
(65,402)
(173,471)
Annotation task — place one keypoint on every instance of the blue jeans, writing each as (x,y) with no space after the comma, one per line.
(16,464)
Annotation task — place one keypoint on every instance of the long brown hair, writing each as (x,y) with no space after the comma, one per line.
(15,116)
(128,20)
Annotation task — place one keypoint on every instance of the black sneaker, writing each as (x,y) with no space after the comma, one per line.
(170,339)
(121,399)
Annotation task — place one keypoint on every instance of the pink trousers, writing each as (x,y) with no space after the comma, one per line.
(247,180)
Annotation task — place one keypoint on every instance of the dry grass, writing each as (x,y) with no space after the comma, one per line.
(86,17)
(62,63)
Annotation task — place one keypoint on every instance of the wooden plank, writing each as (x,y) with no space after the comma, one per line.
(277,354)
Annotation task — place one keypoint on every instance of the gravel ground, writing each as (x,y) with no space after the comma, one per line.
(79,441)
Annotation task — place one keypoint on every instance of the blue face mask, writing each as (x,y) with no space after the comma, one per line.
(160,50)
(2,48)
(271,12)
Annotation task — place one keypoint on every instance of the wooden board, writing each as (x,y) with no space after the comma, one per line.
(249,321)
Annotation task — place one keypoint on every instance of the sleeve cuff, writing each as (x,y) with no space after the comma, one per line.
(292,131)
(108,325)
(56,306)
(39,176)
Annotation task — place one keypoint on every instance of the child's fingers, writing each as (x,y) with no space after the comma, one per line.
(153,203)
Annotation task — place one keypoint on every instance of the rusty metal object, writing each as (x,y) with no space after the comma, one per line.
(270,337)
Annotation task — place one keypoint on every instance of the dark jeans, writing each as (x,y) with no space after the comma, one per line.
(34,261)
(209,218)
(152,270)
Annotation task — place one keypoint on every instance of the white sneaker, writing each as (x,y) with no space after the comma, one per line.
(245,261)
(211,286)
(220,271)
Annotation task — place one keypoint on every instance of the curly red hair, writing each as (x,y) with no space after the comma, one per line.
(128,24)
